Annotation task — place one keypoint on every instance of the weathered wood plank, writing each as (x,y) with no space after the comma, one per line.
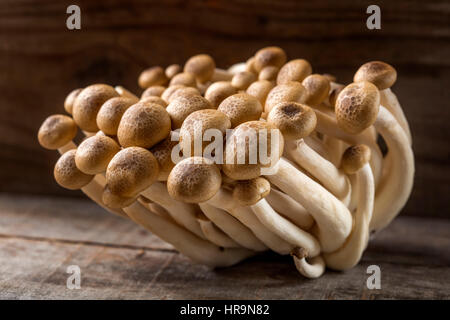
(413,254)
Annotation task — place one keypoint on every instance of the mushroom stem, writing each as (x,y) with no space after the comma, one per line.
(326,172)
(232,227)
(197,249)
(214,234)
(284,228)
(289,208)
(335,148)
(318,146)
(312,269)
(350,253)
(389,100)
(184,214)
(223,199)
(333,219)
(328,126)
(396,186)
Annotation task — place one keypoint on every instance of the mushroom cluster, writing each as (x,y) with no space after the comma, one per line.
(287,161)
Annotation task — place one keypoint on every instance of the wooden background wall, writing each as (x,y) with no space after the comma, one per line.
(41,61)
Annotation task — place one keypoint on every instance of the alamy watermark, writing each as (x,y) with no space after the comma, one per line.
(74,280)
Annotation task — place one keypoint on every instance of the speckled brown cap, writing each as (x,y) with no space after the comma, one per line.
(66,173)
(56,131)
(355,157)
(240,108)
(110,113)
(379,73)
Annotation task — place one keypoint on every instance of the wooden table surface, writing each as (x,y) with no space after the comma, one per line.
(40,237)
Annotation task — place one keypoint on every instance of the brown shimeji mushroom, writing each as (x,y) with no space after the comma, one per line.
(184,91)
(183,106)
(143,125)
(260,89)
(172,70)
(197,179)
(357,107)
(355,161)
(88,103)
(185,79)
(268,73)
(153,91)
(202,66)
(153,76)
(154,99)
(287,92)
(317,89)
(332,216)
(70,99)
(294,70)
(242,80)
(67,173)
(240,108)
(383,76)
(110,113)
(126,93)
(57,132)
(269,56)
(219,91)
(94,154)
(194,133)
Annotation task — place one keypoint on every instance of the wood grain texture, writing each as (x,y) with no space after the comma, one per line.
(40,237)
(41,62)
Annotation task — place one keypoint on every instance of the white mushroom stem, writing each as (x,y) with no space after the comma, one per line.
(284,228)
(332,217)
(312,269)
(395,188)
(126,93)
(289,208)
(93,189)
(328,126)
(350,253)
(318,146)
(223,199)
(183,213)
(233,228)
(326,172)
(389,100)
(215,235)
(335,148)
(185,242)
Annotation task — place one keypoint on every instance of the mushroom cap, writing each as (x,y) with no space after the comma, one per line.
(131,171)
(240,108)
(260,89)
(94,154)
(170,90)
(156,91)
(242,80)
(294,120)
(143,125)
(219,91)
(172,70)
(250,65)
(183,91)
(163,154)
(269,56)
(185,79)
(379,73)
(294,70)
(194,180)
(202,66)
(183,106)
(154,99)
(268,73)
(247,138)
(110,113)
(357,106)
(70,99)
(287,92)
(114,201)
(66,173)
(56,131)
(334,93)
(197,123)
(355,157)
(88,103)
(249,192)
(153,76)
(317,89)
